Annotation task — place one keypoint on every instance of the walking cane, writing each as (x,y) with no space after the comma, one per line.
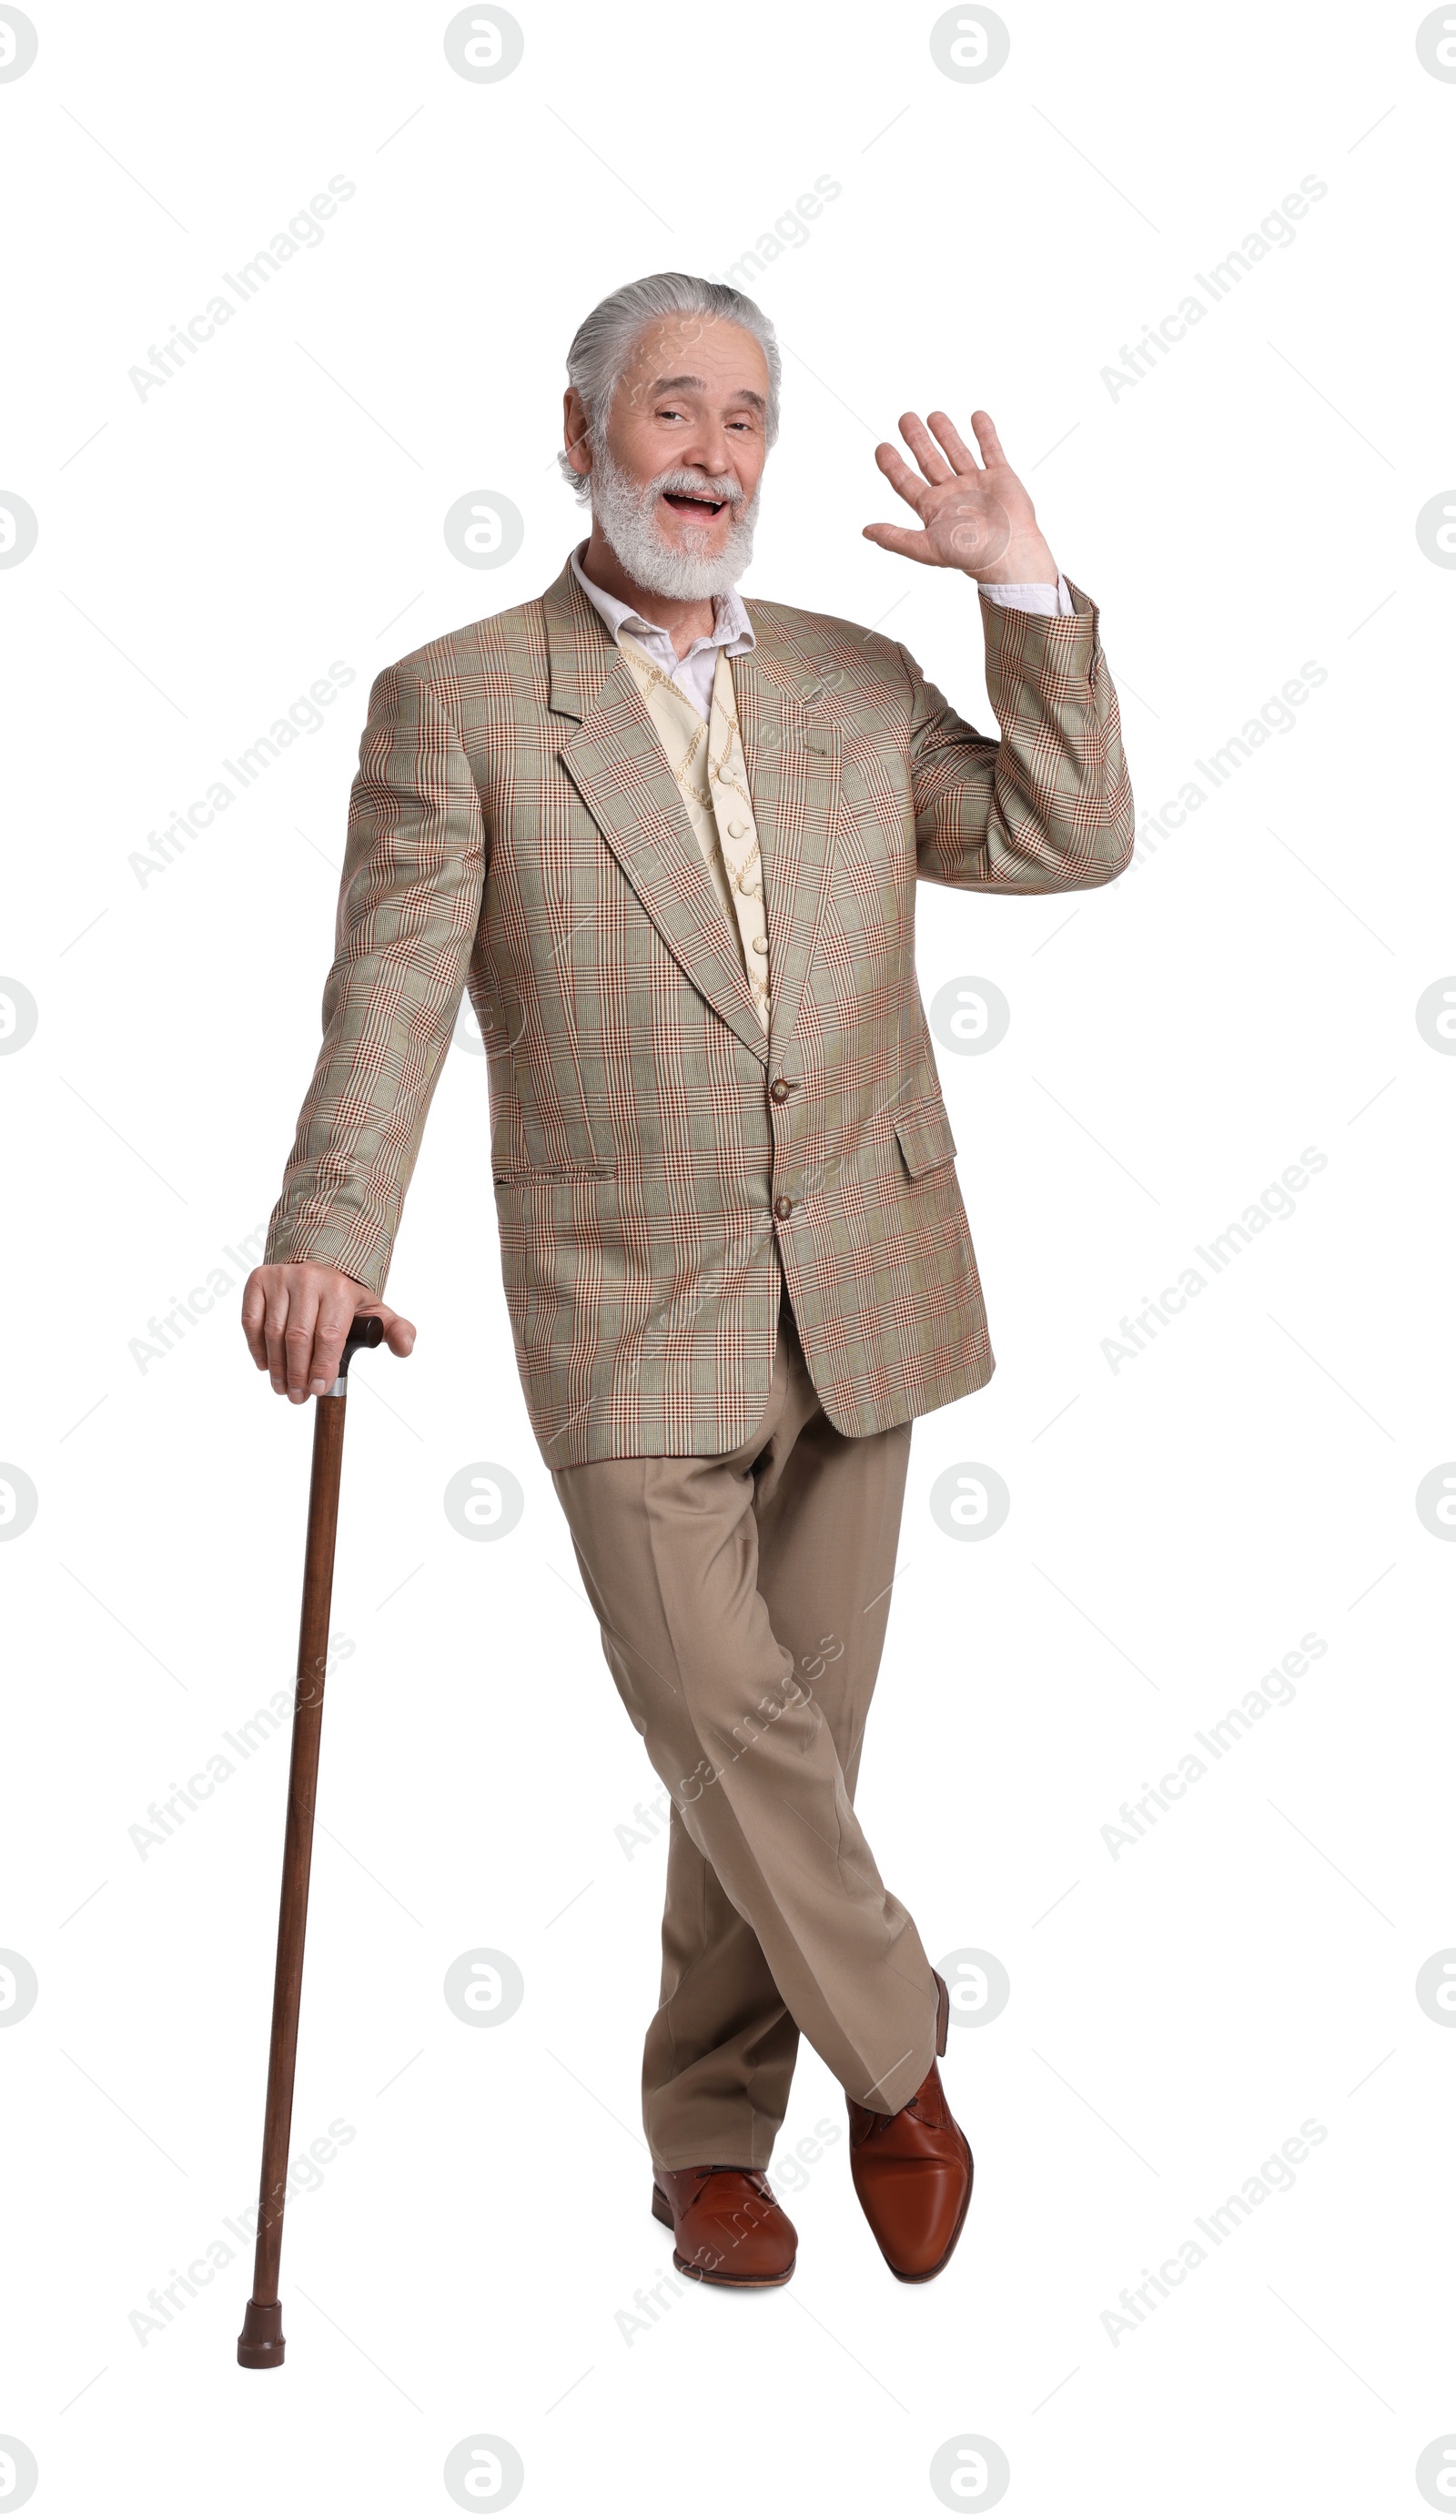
(261,2343)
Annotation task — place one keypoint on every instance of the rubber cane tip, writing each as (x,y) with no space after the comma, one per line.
(261,2343)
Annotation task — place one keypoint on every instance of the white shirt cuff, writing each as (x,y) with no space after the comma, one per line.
(1032,599)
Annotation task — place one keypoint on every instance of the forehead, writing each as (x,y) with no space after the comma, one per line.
(725,358)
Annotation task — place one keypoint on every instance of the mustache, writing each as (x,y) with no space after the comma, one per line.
(693,485)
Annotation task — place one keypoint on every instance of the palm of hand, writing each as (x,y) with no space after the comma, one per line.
(967,522)
(970,515)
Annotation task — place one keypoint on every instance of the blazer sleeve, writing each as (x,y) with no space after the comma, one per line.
(409,906)
(1049,808)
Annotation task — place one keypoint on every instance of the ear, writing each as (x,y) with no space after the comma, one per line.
(577,431)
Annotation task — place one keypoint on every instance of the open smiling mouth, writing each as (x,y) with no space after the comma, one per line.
(687,505)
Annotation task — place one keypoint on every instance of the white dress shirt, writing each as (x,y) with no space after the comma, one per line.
(733,632)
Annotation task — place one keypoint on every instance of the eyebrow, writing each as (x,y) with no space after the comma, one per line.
(695,384)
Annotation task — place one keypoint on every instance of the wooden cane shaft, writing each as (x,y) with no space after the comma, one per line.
(298,1841)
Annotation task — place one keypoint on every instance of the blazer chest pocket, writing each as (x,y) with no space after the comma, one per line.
(924,1137)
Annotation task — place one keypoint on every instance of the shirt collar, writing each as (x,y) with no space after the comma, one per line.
(732,629)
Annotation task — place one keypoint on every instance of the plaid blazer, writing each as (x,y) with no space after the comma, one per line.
(515,830)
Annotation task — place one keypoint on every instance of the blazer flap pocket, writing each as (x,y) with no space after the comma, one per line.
(924,1137)
(532,1173)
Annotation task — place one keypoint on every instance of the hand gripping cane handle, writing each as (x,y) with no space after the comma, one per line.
(260,2346)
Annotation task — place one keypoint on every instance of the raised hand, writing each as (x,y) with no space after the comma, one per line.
(974,516)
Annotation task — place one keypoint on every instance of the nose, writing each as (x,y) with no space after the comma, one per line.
(711,450)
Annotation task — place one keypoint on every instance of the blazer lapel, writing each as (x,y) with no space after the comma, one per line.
(615,760)
(792,763)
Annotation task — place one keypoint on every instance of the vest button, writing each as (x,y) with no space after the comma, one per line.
(780,1089)
(783,1206)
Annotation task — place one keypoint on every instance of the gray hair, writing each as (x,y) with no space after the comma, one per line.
(603,344)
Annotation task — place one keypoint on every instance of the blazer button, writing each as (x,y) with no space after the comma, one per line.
(780,1089)
(783,1206)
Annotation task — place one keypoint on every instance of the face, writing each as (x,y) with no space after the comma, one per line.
(684,455)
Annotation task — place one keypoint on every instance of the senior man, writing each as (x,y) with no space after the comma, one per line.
(669,842)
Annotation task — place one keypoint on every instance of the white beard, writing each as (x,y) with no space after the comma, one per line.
(626,511)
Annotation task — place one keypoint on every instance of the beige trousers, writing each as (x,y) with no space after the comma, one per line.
(743,1598)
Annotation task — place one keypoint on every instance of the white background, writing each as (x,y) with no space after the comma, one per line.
(1177,1524)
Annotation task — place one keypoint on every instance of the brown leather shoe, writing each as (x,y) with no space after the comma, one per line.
(726,2227)
(913,2171)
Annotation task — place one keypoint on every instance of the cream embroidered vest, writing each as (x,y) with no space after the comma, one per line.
(706,760)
